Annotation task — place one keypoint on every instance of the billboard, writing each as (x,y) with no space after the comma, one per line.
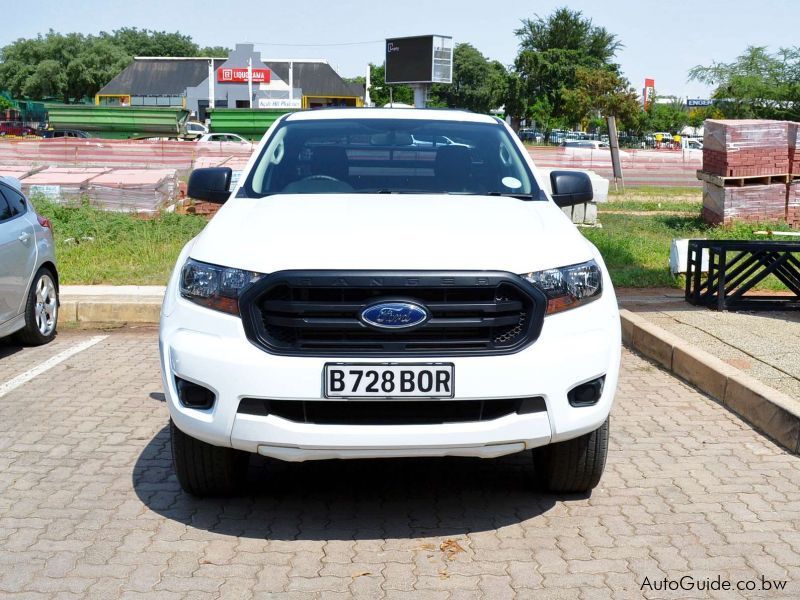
(420,59)
(649,91)
(694,102)
(239,75)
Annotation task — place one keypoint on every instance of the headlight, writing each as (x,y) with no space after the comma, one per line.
(215,287)
(568,287)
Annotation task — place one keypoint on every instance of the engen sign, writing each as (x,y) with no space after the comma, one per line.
(239,75)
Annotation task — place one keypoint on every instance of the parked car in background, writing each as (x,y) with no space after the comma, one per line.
(591,144)
(354,299)
(691,143)
(28,274)
(64,133)
(195,128)
(15,128)
(210,138)
(528,134)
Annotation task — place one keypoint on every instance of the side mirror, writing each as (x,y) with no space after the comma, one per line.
(211,184)
(571,187)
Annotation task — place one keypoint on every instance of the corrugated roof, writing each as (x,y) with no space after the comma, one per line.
(170,77)
(159,76)
(315,78)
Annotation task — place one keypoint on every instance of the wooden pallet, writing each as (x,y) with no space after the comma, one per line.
(743,180)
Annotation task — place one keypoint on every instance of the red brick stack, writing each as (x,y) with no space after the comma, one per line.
(794,155)
(724,205)
(748,166)
(793,205)
(747,147)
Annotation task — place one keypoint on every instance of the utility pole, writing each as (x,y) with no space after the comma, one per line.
(367,99)
(291,80)
(420,94)
(250,81)
(211,83)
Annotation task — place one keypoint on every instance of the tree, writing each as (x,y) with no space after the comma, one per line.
(757,84)
(515,101)
(144,42)
(601,93)
(214,51)
(478,84)
(74,66)
(669,116)
(697,116)
(380,92)
(552,50)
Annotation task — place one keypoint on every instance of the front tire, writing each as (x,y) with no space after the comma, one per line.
(206,470)
(41,310)
(573,466)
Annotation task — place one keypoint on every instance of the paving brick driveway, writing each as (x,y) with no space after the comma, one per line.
(89,506)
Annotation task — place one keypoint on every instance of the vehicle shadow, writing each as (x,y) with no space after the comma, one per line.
(8,347)
(351,499)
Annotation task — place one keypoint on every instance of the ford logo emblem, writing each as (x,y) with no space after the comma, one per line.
(394,315)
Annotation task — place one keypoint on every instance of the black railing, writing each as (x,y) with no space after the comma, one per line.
(736,268)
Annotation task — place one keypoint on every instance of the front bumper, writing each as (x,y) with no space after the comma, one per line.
(210,348)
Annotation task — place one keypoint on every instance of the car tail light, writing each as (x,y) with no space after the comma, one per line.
(44,222)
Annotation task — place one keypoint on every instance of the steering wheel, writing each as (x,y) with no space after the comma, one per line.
(321,178)
(321,184)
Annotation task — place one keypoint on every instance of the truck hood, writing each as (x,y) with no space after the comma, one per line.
(390,231)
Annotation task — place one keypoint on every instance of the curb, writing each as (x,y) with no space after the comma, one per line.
(119,309)
(774,413)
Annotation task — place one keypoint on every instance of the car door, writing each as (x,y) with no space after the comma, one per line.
(17,254)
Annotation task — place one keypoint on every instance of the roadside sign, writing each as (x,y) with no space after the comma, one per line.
(280,103)
(239,75)
(420,59)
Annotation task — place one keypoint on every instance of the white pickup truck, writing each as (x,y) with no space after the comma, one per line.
(364,295)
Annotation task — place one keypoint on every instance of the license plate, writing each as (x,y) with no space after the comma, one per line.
(352,380)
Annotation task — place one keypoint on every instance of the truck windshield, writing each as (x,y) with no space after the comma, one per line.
(371,155)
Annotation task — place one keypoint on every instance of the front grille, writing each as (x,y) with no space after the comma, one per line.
(317,313)
(387,412)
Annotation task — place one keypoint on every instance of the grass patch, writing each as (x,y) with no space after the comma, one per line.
(653,191)
(667,204)
(653,199)
(636,247)
(96,247)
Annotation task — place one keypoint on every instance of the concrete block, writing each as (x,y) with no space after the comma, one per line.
(655,343)
(775,413)
(701,369)
(627,326)
(118,312)
(67,312)
(590,214)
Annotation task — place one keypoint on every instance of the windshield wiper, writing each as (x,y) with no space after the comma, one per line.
(393,191)
(514,195)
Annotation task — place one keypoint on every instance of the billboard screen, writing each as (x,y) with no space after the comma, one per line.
(421,59)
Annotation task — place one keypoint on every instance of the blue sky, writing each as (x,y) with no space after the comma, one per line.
(663,38)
